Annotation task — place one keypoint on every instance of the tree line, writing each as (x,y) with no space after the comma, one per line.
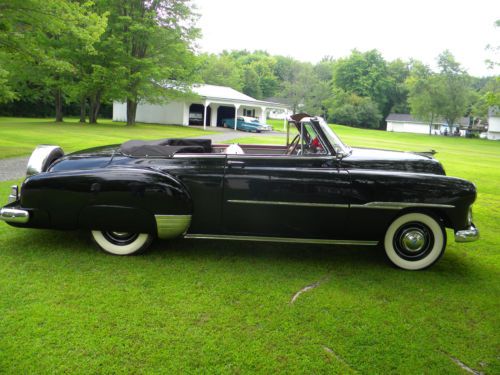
(360,89)
(94,52)
(78,56)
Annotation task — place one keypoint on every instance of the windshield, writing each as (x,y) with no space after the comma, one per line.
(338,145)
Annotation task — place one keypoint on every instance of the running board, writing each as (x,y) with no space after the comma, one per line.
(280,239)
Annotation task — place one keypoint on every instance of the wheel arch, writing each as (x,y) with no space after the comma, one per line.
(439,214)
(406,257)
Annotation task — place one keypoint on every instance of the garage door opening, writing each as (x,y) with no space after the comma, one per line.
(196,114)
(224,113)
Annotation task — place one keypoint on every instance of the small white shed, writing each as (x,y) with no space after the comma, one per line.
(493,124)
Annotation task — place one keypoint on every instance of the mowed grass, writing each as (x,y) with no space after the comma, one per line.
(193,306)
(19,136)
(276,124)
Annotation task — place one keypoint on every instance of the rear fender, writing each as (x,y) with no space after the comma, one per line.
(114,198)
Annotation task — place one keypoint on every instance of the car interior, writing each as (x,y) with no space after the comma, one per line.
(305,142)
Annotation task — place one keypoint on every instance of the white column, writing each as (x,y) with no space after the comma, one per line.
(213,116)
(205,115)
(236,107)
(262,118)
(185,114)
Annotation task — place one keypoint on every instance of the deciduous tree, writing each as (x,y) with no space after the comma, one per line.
(155,47)
(424,94)
(42,34)
(221,70)
(455,92)
(366,75)
(352,109)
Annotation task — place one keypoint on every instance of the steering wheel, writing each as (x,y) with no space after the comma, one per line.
(293,145)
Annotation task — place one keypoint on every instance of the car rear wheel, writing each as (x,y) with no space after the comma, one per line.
(122,243)
(414,241)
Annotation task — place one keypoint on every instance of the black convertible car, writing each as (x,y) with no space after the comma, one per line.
(313,190)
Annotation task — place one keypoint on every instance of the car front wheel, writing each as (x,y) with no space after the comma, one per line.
(122,243)
(414,241)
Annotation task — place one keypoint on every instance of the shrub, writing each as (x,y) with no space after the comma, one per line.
(354,110)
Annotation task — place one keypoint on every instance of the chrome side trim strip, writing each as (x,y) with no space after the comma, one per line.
(281,157)
(398,205)
(278,203)
(253,156)
(280,239)
(14,215)
(197,156)
(171,226)
(369,205)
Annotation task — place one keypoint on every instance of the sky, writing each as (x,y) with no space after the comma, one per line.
(311,29)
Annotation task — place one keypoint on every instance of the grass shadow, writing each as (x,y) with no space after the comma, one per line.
(77,246)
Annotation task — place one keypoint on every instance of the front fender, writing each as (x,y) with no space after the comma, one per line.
(380,196)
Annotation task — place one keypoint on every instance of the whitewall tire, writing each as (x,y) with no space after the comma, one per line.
(122,243)
(414,241)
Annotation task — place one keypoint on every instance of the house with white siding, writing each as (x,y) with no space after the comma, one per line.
(493,132)
(406,123)
(210,106)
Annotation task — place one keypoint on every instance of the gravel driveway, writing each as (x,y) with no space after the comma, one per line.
(13,168)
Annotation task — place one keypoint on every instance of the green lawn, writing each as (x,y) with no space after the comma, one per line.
(276,124)
(19,136)
(193,306)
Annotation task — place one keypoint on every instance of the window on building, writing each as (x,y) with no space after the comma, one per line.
(249,112)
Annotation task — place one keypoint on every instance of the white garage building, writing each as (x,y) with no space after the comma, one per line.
(406,123)
(210,108)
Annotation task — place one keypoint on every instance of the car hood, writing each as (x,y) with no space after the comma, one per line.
(366,158)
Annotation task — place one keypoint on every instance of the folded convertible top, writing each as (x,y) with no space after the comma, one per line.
(165,148)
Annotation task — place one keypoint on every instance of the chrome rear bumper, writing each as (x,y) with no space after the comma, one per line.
(14,215)
(467,235)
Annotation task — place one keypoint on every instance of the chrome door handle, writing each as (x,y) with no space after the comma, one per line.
(236,163)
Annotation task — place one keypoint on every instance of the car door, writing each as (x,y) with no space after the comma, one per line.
(285,196)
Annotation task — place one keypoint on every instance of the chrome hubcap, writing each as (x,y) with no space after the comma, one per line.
(413,240)
(120,238)
(120,234)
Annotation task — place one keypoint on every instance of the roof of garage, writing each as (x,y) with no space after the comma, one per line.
(224,93)
(212,91)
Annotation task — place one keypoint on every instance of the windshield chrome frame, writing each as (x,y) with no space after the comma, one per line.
(326,135)
(339,148)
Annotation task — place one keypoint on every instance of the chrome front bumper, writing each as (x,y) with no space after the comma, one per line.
(14,215)
(467,235)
